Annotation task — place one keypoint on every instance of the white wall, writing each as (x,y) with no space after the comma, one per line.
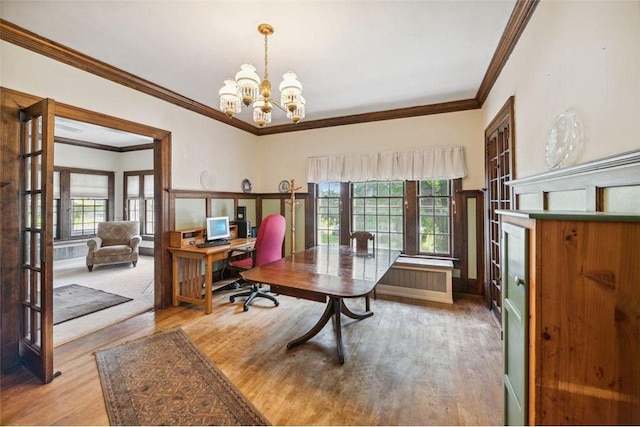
(284,155)
(88,158)
(198,143)
(584,55)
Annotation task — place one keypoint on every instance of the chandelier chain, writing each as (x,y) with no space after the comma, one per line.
(266,69)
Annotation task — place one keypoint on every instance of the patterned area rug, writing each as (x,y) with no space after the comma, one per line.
(164,379)
(72,301)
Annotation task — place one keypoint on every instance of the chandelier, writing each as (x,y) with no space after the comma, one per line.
(246,89)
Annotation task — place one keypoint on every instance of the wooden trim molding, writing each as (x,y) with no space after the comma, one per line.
(96,146)
(520,16)
(523,10)
(26,39)
(400,113)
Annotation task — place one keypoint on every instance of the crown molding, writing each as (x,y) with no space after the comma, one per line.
(26,39)
(19,36)
(518,20)
(400,113)
(97,146)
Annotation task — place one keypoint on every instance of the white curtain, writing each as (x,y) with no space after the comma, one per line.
(428,163)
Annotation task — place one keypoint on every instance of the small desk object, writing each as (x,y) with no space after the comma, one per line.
(187,271)
(326,274)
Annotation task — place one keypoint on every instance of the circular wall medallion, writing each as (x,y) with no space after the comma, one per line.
(246,185)
(284,186)
(564,140)
(207,180)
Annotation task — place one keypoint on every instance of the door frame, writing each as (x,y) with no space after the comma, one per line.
(11,102)
(505,119)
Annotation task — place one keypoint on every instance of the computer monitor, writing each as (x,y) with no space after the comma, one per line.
(218,228)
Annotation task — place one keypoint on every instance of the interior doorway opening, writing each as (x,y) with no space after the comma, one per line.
(101,174)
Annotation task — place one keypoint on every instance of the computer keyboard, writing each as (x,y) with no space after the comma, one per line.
(213,243)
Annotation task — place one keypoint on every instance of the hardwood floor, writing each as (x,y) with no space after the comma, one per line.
(409,364)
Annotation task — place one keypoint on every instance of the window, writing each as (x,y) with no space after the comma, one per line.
(328,213)
(82,199)
(86,213)
(89,196)
(377,207)
(138,201)
(412,216)
(56,205)
(434,217)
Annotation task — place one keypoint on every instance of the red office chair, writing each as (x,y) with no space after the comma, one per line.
(268,248)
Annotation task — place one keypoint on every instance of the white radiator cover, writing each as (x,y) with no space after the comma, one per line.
(424,279)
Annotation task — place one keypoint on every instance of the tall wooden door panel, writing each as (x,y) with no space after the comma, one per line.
(36,211)
(498,171)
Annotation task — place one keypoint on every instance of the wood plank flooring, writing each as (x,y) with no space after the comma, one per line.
(409,364)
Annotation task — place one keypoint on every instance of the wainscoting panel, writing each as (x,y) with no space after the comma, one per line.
(611,184)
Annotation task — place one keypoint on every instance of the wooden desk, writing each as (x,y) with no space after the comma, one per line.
(187,287)
(324,273)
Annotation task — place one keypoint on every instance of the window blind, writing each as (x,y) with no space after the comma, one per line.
(89,186)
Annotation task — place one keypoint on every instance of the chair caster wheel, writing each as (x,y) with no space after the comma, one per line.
(232,299)
(245,308)
(277,304)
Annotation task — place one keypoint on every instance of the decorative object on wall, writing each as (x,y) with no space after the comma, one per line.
(284,186)
(292,204)
(246,88)
(564,140)
(207,180)
(246,185)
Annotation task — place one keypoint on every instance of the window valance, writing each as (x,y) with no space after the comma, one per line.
(428,163)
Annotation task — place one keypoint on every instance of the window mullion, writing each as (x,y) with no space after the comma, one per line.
(345,212)
(411,230)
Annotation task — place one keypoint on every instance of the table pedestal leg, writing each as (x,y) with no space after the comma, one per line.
(335,307)
(357,316)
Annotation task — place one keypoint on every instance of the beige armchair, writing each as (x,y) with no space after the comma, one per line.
(116,242)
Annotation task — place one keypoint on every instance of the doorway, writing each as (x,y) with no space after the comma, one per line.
(499,150)
(11,308)
(95,169)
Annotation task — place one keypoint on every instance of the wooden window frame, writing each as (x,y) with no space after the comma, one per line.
(64,222)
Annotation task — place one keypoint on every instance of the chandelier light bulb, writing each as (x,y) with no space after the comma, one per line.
(229,99)
(290,91)
(298,113)
(260,116)
(248,83)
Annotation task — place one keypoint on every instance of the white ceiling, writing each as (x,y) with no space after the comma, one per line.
(351,56)
(87,132)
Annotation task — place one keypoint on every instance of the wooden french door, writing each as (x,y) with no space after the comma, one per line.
(499,144)
(36,238)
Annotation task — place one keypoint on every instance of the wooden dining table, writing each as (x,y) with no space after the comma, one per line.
(328,274)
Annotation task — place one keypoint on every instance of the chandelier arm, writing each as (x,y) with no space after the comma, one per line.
(277,104)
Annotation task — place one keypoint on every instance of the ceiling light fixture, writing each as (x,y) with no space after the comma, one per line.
(247,89)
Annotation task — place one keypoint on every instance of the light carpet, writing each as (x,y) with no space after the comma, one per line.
(164,379)
(120,279)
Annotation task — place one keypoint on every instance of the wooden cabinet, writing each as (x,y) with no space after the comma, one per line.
(186,238)
(571,317)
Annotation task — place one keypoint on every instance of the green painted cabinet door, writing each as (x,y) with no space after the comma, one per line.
(514,322)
